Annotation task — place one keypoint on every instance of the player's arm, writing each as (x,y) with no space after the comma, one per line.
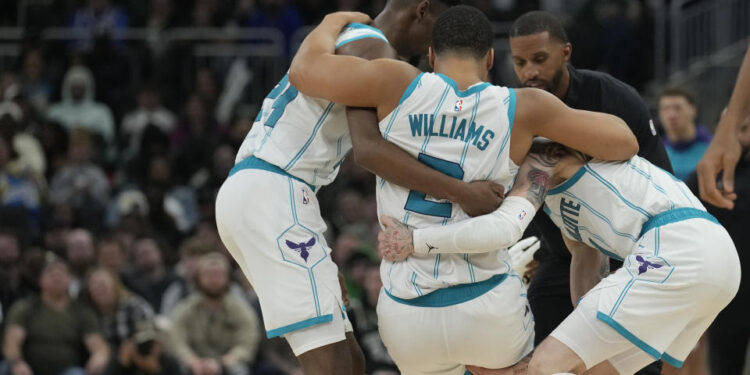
(318,72)
(724,151)
(587,268)
(600,135)
(497,230)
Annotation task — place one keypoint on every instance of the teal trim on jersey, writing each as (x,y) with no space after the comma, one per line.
(414,283)
(410,90)
(255,163)
(299,325)
(436,269)
(452,295)
(601,216)
(613,189)
(605,251)
(651,180)
(320,122)
(628,335)
(471,121)
(546,209)
(568,183)
(434,113)
(471,268)
(511,107)
(462,94)
(672,360)
(394,114)
(674,216)
(357,25)
(356,38)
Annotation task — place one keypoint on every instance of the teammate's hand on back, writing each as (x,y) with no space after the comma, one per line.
(395,241)
(722,155)
(480,197)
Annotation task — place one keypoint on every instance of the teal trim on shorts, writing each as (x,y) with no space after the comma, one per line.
(569,182)
(628,336)
(674,216)
(672,360)
(255,163)
(452,295)
(299,325)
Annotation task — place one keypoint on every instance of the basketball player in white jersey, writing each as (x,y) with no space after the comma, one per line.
(267,212)
(680,266)
(439,312)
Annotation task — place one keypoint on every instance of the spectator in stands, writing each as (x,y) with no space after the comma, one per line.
(194,139)
(160,15)
(50,334)
(16,191)
(81,256)
(685,141)
(150,277)
(214,332)
(78,108)
(121,313)
(81,184)
(10,270)
(98,17)
(110,254)
(173,207)
(191,252)
(29,161)
(35,86)
(149,112)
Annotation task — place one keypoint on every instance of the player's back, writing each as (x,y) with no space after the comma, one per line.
(306,137)
(608,205)
(464,134)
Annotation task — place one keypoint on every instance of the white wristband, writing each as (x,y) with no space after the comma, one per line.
(497,230)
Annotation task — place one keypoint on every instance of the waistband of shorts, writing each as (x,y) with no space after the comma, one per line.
(254,163)
(452,295)
(674,216)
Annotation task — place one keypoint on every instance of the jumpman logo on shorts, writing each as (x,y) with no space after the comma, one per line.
(646,265)
(302,247)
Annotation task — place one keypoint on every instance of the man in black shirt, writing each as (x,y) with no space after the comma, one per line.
(541,52)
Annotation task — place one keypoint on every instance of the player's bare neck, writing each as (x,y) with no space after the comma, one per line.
(465,71)
(389,22)
(566,168)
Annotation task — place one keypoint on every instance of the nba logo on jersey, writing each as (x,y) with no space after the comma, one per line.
(522,215)
(459,105)
(305,196)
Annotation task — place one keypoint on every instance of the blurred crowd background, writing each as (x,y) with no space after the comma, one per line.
(120,119)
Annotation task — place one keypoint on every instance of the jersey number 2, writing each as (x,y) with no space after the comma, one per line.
(417,201)
(279,105)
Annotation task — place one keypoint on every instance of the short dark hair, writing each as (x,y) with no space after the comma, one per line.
(539,21)
(464,30)
(678,91)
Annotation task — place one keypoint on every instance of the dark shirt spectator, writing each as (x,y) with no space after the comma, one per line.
(150,277)
(10,270)
(149,112)
(35,86)
(50,334)
(144,355)
(98,17)
(81,256)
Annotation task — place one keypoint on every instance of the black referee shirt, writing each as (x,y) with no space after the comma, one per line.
(600,92)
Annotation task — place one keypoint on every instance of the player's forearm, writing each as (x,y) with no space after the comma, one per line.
(501,228)
(390,162)
(739,103)
(587,268)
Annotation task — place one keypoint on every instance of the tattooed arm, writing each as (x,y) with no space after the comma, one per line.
(497,230)
(587,268)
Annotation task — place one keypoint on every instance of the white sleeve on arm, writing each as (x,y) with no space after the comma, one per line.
(497,230)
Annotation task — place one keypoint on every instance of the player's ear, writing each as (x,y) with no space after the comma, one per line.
(567,52)
(431,53)
(423,10)
(490,58)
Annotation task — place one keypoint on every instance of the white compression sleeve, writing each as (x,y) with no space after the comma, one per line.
(497,230)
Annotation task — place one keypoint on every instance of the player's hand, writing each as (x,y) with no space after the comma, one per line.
(522,253)
(722,155)
(345,18)
(480,197)
(395,242)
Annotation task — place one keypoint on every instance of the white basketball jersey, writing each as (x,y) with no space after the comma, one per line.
(466,135)
(606,204)
(305,136)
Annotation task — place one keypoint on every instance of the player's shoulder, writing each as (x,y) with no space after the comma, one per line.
(364,41)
